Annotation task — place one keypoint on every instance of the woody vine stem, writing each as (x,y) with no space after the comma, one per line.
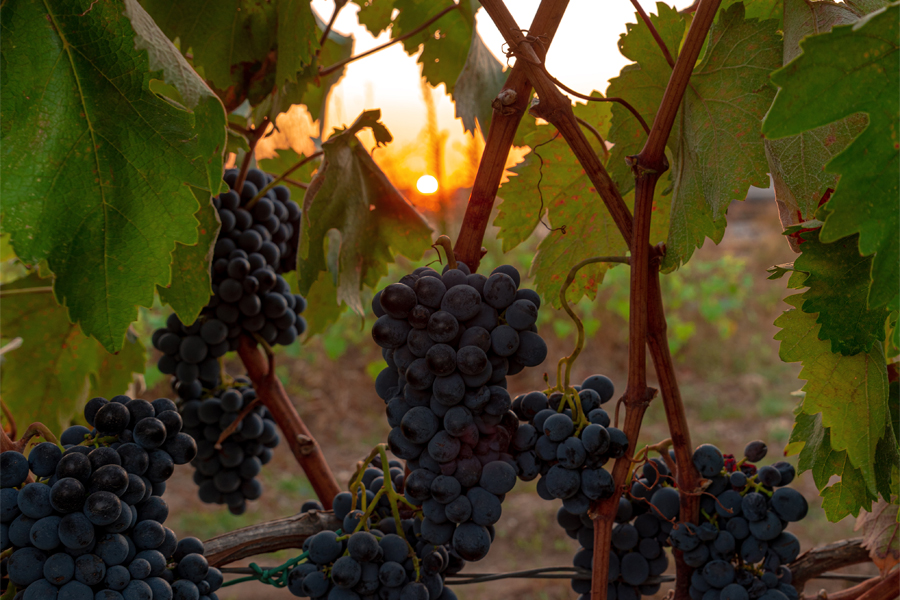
(647,322)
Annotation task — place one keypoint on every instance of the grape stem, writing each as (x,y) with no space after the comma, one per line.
(10,592)
(283,177)
(234,424)
(253,138)
(659,41)
(338,5)
(37,429)
(444,242)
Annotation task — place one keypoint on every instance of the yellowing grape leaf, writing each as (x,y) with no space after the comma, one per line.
(855,68)
(581,225)
(49,377)
(641,84)
(718,150)
(881,534)
(844,497)
(849,391)
(352,195)
(838,283)
(102,164)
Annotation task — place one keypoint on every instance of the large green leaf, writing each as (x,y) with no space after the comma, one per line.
(641,84)
(478,84)
(100,161)
(350,199)
(849,391)
(224,36)
(797,163)
(49,377)
(582,226)
(838,283)
(718,152)
(191,288)
(857,68)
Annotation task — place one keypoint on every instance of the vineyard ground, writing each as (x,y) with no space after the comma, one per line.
(337,401)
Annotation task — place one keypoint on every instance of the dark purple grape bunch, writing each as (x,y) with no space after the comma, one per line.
(568,450)
(450,341)
(190,353)
(254,248)
(741,548)
(644,520)
(90,524)
(229,475)
(372,560)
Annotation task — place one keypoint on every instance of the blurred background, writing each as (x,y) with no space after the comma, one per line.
(720,306)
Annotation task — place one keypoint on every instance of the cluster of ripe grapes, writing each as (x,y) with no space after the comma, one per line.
(370,560)
(228,475)
(568,448)
(85,520)
(256,244)
(450,340)
(741,549)
(643,522)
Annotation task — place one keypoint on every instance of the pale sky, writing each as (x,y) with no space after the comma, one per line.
(584,55)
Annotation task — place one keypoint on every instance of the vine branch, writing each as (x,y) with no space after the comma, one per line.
(283,177)
(338,5)
(289,532)
(509,106)
(274,397)
(597,135)
(332,68)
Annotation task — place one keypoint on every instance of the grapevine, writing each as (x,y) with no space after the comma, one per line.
(184,215)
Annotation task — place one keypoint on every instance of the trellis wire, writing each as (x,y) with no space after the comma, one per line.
(265,574)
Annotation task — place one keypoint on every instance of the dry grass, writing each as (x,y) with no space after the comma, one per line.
(734,391)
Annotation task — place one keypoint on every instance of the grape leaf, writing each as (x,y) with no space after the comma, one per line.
(444,44)
(718,152)
(797,163)
(881,534)
(478,84)
(857,67)
(298,39)
(838,283)
(558,171)
(375,15)
(224,35)
(642,84)
(352,195)
(844,497)
(864,7)
(570,201)
(49,377)
(191,288)
(849,391)
(101,161)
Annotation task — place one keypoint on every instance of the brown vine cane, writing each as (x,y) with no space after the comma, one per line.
(505,119)
(261,370)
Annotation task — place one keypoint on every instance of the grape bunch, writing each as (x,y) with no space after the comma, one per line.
(568,450)
(450,340)
(371,560)
(85,520)
(228,475)
(639,537)
(741,549)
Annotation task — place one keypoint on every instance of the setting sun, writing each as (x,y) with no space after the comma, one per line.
(427,184)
